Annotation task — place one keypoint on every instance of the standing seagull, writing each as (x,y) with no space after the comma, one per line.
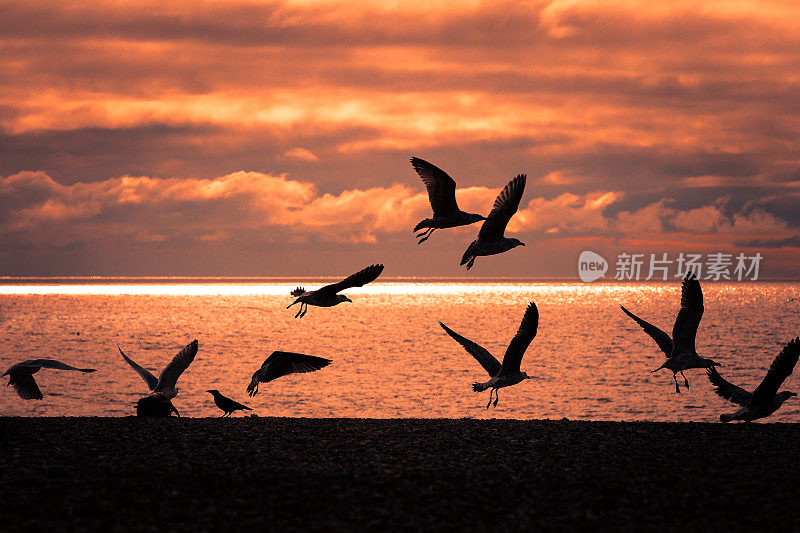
(164,386)
(490,239)
(227,405)
(327,297)
(680,349)
(282,364)
(21,376)
(766,399)
(442,196)
(508,373)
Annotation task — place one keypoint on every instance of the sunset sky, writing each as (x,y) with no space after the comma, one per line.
(273,138)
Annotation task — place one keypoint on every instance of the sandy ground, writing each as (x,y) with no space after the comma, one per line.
(115,474)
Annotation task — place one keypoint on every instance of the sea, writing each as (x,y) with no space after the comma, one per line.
(391,358)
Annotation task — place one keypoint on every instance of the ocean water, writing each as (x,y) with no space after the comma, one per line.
(390,357)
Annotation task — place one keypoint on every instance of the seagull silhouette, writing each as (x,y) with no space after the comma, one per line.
(507,373)
(20,376)
(164,386)
(765,399)
(282,364)
(680,348)
(442,196)
(491,239)
(327,297)
(227,405)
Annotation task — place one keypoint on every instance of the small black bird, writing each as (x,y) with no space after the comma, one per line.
(226,404)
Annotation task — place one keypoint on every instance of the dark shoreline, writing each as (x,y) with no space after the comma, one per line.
(209,474)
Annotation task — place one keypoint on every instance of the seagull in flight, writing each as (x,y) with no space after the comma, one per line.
(21,374)
(227,405)
(442,196)
(327,296)
(490,239)
(282,364)
(507,373)
(680,348)
(765,399)
(164,386)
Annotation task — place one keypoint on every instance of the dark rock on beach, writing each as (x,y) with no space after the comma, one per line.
(177,474)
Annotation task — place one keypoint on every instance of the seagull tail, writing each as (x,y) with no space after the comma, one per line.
(479,387)
(297,292)
(725,417)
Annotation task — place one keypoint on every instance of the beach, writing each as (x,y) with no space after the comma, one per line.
(208,474)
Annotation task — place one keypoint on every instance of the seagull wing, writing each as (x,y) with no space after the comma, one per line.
(726,389)
(52,363)
(505,205)
(481,354)
(688,320)
(26,386)
(779,370)
(662,339)
(149,378)
(169,376)
(284,363)
(359,279)
(519,344)
(441,187)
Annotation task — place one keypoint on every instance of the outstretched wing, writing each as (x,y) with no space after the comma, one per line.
(481,354)
(521,341)
(359,279)
(688,320)
(441,187)
(779,370)
(726,389)
(662,339)
(169,376)
(284,363)
(505,205)
(146,375)
(26,386)
(52,363)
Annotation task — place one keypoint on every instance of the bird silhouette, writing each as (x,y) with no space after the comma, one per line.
(491,239)
(20,376)
(164,386)
(327,296)
(282,364)
(680,348)
(227,405)
(508,373)
(765,399)
(442,196)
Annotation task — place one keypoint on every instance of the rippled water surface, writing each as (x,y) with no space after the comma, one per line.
(390,357)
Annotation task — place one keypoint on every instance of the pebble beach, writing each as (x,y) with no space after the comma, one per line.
(206,474)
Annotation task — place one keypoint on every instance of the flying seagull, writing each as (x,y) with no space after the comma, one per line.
(442,196)
(282,364)
(21,374)
(227,405)
(680,348)
(164,386)
(507,373)
(327,297)
(765,399)
(490,239)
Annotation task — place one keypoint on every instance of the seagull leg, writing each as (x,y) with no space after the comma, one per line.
(305,310)
(685,381)
(425,235)
(299,311)
(496,397)
(491,391)
(677,389)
